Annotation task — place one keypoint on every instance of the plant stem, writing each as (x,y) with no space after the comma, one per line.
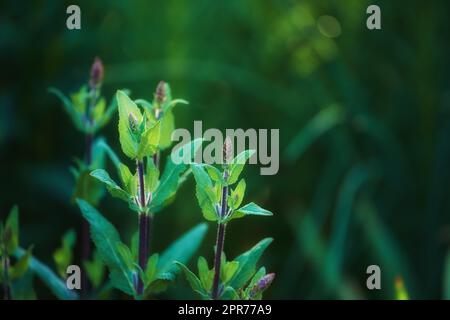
(220,241)
(85,228)
(6,286)
(144,224)
(217,259)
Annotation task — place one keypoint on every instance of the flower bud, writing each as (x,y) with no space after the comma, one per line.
(160,93)
(262,284)
(132,122)
(227,150)
(97,72)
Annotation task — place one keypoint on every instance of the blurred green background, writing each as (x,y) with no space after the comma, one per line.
(364,119)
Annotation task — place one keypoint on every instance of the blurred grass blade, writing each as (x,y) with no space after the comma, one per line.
(386,250)
(352,184)
(325,120)
(314,248)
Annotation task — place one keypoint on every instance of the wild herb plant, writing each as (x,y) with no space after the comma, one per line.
(88,112)
(143,134)
(236,279)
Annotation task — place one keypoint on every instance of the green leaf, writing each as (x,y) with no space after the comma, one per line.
(21,266)
(144,103)
(95,269)
(258,275)
(237,195)
(88,188)
(205,193)
(151,176)
(194,282)
(170,179)
(102,144)
(229,294)
(22,288)
(247,263)
(205,274)
(126,108)
(51,280)
(167,128)
(126,255)
(237,165)
(69,108)
(111,185)
(229,270)
(214,174)
(250,209)
(181,250)
(11,230)
(169,106)
(106,239)
(148,145)
(107,115)
(79,100)
(99,110)
(63,256)
(126,177)
(150,270)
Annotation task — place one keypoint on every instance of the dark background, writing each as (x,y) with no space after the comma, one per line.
(364,121)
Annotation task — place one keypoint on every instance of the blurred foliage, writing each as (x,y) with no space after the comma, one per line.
(364,120)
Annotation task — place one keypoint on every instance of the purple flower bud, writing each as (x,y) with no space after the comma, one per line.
(262,284)
(97,73)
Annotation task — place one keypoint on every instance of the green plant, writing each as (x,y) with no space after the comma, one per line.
(237,279)
(17,278)
(88,112)
(142,136)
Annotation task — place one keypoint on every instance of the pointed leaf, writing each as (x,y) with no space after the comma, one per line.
(205,193)
(170,179)
(191,278)
(106,239)
(250,209)
(167,128)
(237,165)
(149,141)
(21,266)
(11,230)
(51,280)
(237,195)
(111,185)
(69,108)
(247,263)
(229,271)
(127,108)
(181,250)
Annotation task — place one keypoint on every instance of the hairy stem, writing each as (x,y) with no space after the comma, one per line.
(220,242)
(144,226)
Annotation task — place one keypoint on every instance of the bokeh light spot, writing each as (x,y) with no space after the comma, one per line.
(329,26)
